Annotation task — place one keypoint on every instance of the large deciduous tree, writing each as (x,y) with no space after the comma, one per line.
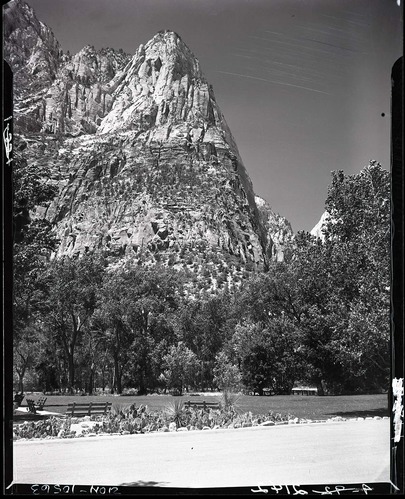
(70,304)
(226,374)
(334,291)
(268,355)
(134,316)
(180,367)
(357,245)
(205,326)
(33,243)
(344,283)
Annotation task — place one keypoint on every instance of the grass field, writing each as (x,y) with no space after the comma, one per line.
(309,407)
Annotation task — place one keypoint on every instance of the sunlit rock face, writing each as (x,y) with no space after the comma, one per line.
(279,231)
(80,96)
(55,92)
(30,48)
(146,167)
(162,173)
(317,231)
(34,55)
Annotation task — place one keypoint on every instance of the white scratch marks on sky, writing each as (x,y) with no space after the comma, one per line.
(315,57)
(273,81)
(329,44)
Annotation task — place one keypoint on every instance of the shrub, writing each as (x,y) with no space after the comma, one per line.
(129,419)
(129,392)
(175,411)
(180,367)
(52,427)
(229,400)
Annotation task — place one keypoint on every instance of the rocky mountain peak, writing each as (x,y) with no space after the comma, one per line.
(55,92)
(166,44)
(167,48)
(144,164)
(164,85)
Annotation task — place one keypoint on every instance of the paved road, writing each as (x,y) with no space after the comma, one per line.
(332,452)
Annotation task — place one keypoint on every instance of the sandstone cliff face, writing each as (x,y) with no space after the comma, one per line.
(146,167)
(80,97)
(54,92)
(34,56)
(279,232)
(30,48)
(163,173)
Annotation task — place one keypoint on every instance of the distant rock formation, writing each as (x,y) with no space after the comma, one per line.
(279,231)
(317,230)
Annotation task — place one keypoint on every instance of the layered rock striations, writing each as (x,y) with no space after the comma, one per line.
(162,175)
(146,167)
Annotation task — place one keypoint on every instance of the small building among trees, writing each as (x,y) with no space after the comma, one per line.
(304,390)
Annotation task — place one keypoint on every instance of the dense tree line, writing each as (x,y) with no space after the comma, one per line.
(322,316)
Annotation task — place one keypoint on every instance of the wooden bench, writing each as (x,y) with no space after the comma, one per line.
(34,405)
(92,408)
(198,404)
(40,403)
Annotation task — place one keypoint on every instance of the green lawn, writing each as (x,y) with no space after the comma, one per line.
(309,407)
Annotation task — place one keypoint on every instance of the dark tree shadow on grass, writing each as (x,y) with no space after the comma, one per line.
(382,411)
